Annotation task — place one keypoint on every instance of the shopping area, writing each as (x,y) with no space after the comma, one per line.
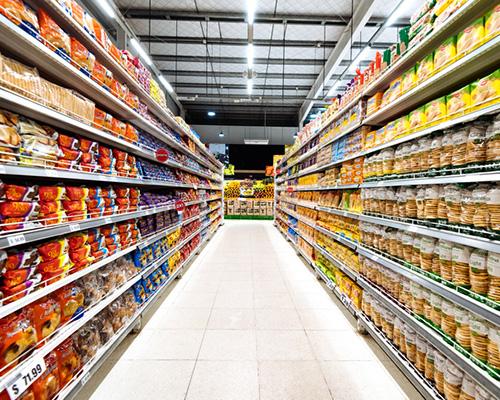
(246,200)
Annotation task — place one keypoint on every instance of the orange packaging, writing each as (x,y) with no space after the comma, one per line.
(55,38)
(71,299)
(76,193)
(77,240)
(98,73)
(68,361)
(122,201)
(118,127)
(52,250)
(74,205)
(21,14)
(122,91)
(82,58)
(69,155)
(115,52)
(16,277)
(53,219)
(46,316)
(19,192)
(17,335)
(47,385)
(74,216)
(120,155)
(18,209)
(57,264)
(51,193)
(99,118)
(95,203)
(134,201)
(131,133)
(89,146)
(132,100)
(50,207)
(108,230)
(80,254)
(100,34)
(109,202)
(68,142)
(77,12)
(122,191)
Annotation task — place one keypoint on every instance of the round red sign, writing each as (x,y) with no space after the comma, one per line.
(162,155)
(179,205)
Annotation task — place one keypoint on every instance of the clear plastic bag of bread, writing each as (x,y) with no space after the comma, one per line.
(20,78)
(9,137)
(429,363)
(493,140)
(493,204)
(476,143)
(479,278)
(460,259)
(117,313)
(459,147)
(415,255)
(93,288)
(87,341)
(479,329)
(453,197)
(482,394)
(130,305)
(468,390)
(446,155)
(104,327)
(493,268)
(448,323)
(462,333)
(420,202)
(481,218)
(414,164)
(453,377)
(434,159)
(468,208)
(424,151)
(494,347)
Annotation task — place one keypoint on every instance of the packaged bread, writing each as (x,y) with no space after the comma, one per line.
(492,23)
(479,337)
(468,389)
(494,348)
(459,147)
(470,37)
(493,204)
(424,149)
(459,101)
(493,140)
(427,245)
(421,353)
(446,155)
(468,207)
(434,158)
(414,157)
(20,78)
(482,394)
(411,344)
(453,196)
(481,215)
(439,370)
(435,111)
(493,268)
(445,53)
(476,143)
(406,158)
(401,127)
(445,259)
(55,38)
(453,377)
(462,332)
(82,58)
(486,91)
(22,15)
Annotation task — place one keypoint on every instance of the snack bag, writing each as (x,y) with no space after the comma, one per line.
(19,209)
(52,250)
(45,315)
(68,142)
(19,192)
(89,146)
(445,53)
(435,111)
(425,68)
(49,207)
(76,193)
(470,37)
(459,101)
(417,118)
(55,38)
(82,58)
(22,15)
(51,193)
(100,34)
(18,259)
(486,91)
(17,335)
(492,23)
(77,240)
(47,385)
(409,80)
(56,265)
(118,127)
(71,299)
(68,361)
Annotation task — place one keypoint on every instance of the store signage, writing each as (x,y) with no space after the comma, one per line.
(162,155)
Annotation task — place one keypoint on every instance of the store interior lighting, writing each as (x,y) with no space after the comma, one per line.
(106,7)
(166,84)
(211,114)
(251,11)
(250,52)
(249,86)
(137,46)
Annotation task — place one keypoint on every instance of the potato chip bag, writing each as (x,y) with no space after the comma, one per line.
(19,192)
(68,142)
(445,53)
(100,34)
(118,127)
(76,193)
(459,101)
(54,219)
(89,146)
(16,277)
(51,193)
(470,37)
(55,37)
(50,207)
(131,133)
(98,72)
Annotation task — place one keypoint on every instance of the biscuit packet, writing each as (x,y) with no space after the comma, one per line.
(492,23)
(459,101)
(435,111)
(446,53)
(486,91)
(471,37)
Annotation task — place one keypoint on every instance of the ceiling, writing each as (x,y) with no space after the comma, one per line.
(201,48)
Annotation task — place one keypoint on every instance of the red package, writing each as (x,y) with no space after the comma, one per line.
(20,193)
(109,202)
(76,193)
(52,250)
(122,166)
(80,254)
(122,91)
(118,127)
(17,335)
(94,192)
(56,264)
(87,159)
(70,155)
(122,191)
(98,73)
(125,238)
(96,246)
(71,299)
(108,192)
(14,293)
(77,12)
(108,230)
(53,219)
(47,385)
(104,151)
(124,226)
(74,205)
(131,133)
(94,235)
(81,57)
(77,240)
(135,193)
(51,193)
(99,118)
(50,207)
(120,155)
(55,38)
(89,146)
(105,163)
(74,216)
(122,201)
(45,315)
(95,203)
(134,202)
(112,248)
(68,142)
(109,81)
(16,277)
(19,209)
(68,361)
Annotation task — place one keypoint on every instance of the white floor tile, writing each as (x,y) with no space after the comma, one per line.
(179,318)
(339,346)
(321,319)
(234,300)
(231,345)
(279,319)
(273,300)
(232,318)
(283,345)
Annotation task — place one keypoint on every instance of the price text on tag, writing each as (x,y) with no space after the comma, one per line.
(16,240)
(23,380)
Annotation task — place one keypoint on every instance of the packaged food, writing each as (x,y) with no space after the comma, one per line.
(82,58)
(462,333)
(493,268)
(53,249)
(55,38)
(17,335)
(493,347)
(76,193)
(409,80)
(486,91)
(22,193)
(453,378)
(468,389)
(459,101)
(439,370)
(492,23)
(493,204)
(479,337)
(446,53)
(45,315)
(51,193)
(459,147)
(425,68)
(417,118)
(435,111)
(47,385)
(470,37)
(445,259)
(19,209)
(104,327)
(460,265)
(21,14)
(68,361)
(87,341)
(446,154)
(429,363)
(71,300)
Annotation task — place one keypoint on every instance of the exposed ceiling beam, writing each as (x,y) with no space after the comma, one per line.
(291,19)
(226,74)
(256,42)
(359,19)
(241,86)
(243,60)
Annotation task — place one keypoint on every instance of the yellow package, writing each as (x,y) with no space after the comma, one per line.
(445,53)
(394,90)
(435,111)
(459,101)
(470,37)
(417,118)
(441,6)
(390,131)
(369,140)
(409,79)
(492,23)
(402,126)
(486,91)
(373,103)
(425,68)
(379,136)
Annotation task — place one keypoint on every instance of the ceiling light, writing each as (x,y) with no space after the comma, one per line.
(251,11)
(166,84)
(211,114)
(398,11)
(136,45)
(257,141)
(249,86)
(221,134)
(106,7)
(250,55)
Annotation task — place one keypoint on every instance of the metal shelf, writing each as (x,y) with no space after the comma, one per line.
(433,337)
(490,176)
(339,264)
(405,366)
(303,157)
(317,188)
(461,72)
(447,292)
(287,156)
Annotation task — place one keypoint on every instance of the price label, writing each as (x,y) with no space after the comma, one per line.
(345,300)
(195,186)
(23,380)
(329,284)
(108,220)
(102,177)
(16,240)
(51,173)
(2,169)
(345,213)
(180,206)
(412,228)
(380,183)
(74,227)
(85,378)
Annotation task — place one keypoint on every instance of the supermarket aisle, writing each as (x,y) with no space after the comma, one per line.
(249,321)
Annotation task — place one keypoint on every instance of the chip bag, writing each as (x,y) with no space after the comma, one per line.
(55,38)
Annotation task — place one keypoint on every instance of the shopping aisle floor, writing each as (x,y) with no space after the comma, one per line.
(249,321)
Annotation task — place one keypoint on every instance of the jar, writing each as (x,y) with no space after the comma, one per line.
(453,198)
(493,140)
(479,330)
(462,333)
(460,258)
(435,152)
(445,256)
(493,203)
(479,278)
(439,368)
(436,313)
(468,389)
(420,202)
(453,378)
(476,143)
(429,363)
(448,323)
(493,268)
(431,202)
(446,150)
(493,348)
(481,219)
(459,147)
(427,245)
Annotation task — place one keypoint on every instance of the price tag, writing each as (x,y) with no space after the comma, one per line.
(180,206)
(195,186)
(345,213)
(289,189)
(2,169)
(412,228)
(85,378)
(102,177)
(51,173)
(375,258)
(23,380)
(108,220)
(74,227)
(329,284)
(16,240)
(345,300)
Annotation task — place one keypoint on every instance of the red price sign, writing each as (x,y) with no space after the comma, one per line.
(289,189)
(162,155)
(180,206)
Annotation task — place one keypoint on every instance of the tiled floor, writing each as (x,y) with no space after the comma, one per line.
(249,321)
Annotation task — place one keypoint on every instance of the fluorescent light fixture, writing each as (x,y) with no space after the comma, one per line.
(221,134)
(212,114)
(166,84)
(249,86)
(398,11)
(250,55)
(136,45)
(106,7)
(251,11)
(257,141)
